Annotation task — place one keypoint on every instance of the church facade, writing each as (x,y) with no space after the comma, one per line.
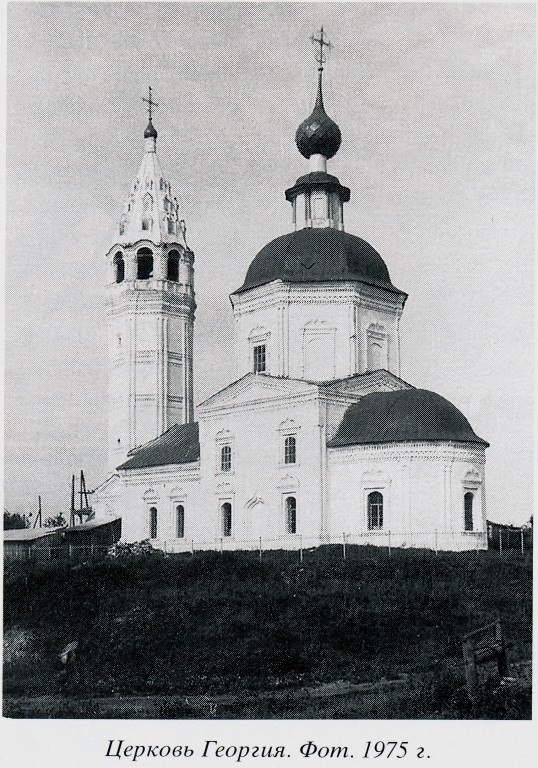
(318,440)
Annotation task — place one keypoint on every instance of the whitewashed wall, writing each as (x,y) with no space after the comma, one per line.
(423,485)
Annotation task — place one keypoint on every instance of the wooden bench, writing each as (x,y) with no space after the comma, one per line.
(480,646)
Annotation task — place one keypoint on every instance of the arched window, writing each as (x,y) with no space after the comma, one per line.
(226,458)
(122,223)
(119,268)
(375,511)
(173,266)
(153,522)
(180,521)
(468,511)
(290,454)
(144,261)
(291,514)
(226,518)
(147,224)
(375,356)
(171,227)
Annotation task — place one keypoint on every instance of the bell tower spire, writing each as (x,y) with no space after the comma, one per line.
(151,310)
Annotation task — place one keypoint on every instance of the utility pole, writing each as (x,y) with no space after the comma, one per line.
(72,512)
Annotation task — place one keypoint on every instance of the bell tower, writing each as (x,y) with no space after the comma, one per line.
(150,309)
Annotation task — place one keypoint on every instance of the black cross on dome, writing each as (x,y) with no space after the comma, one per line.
(150,132)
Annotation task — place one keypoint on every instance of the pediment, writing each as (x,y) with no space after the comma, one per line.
(254,388)
(288,482)
(372,381)
(109,485)
(472,475)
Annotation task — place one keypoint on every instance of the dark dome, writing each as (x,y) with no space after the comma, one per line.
(150,132)
(318,134)
(407,415)
(321,255)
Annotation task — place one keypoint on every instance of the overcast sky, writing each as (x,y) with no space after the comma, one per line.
(436,107)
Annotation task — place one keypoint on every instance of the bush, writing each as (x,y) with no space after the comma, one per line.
(136,549)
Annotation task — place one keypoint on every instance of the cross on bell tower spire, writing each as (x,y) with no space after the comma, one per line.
(150,132)
(149,101)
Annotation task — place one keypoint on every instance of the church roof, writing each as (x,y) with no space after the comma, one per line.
(407,415)
(318,255)
(178,445)
(151,211)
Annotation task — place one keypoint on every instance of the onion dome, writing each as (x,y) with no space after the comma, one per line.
(318,134)
(150,132)
(407,415)
(321,255)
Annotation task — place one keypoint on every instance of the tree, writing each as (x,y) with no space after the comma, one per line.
(58,521)
(12,521)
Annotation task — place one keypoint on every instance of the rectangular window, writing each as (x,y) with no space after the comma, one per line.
(290,455)
(226,518)
(153,522)
(468,511)
(375,511)
(320,207)
(291,514)
(259,358)
(180,521)
(226,458)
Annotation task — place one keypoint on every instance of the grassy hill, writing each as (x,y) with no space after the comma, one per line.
(213,624)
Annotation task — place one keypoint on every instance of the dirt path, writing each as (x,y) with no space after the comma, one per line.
(203,705)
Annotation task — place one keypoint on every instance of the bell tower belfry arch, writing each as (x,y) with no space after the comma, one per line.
(150,311)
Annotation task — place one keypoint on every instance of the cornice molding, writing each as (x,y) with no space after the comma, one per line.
(429,451)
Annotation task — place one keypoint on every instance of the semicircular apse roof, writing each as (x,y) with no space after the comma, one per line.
(407,415)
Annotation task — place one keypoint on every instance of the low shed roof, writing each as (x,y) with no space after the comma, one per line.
(91,524)
(29,534)
(179,445)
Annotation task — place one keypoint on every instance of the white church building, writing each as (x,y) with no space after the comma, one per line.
(318,440)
